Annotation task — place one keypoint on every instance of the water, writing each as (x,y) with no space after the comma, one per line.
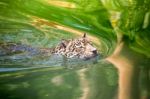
(119,30)
(58,82)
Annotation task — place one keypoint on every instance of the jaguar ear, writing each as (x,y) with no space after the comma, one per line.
(84,35)
(63,43)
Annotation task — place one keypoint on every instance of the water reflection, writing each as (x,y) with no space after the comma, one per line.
(130,66)
(97,81)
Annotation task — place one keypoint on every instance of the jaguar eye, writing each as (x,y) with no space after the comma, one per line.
(83,41)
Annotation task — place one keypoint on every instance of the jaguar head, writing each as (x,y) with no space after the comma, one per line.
(81,47)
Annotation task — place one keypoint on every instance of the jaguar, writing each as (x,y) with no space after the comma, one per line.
(81,48)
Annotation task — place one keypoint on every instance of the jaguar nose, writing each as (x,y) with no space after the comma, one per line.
(95,52)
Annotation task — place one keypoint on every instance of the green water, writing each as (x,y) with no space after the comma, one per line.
(58,83)
(43,23)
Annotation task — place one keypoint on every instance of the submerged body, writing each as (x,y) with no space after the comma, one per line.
(80,48)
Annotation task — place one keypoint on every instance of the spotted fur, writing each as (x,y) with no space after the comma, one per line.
(76,48)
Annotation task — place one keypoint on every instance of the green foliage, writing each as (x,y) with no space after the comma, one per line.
(134,22)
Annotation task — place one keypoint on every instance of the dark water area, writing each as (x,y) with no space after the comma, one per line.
(120,30)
